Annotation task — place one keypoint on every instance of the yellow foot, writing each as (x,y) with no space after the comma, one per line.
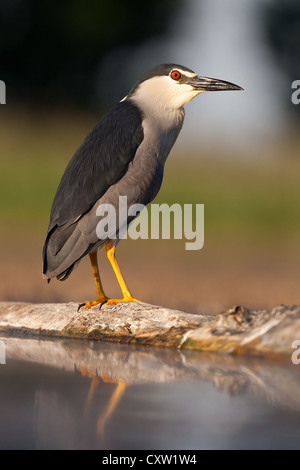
(92,303)
(118,301)
(106,301)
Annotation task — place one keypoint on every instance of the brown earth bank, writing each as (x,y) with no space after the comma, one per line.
(160,272)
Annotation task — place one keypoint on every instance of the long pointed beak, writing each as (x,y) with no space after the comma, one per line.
(212,84)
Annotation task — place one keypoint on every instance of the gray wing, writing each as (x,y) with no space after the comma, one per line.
(100,161)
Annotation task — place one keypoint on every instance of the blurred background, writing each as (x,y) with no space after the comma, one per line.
(66,62)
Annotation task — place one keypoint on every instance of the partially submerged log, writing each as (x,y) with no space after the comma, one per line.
(235,331)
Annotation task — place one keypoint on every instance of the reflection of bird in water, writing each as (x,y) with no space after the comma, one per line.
(124,155)
(113,402)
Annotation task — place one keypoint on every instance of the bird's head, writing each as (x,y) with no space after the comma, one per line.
(172,86)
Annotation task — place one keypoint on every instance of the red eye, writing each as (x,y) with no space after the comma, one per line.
(175,75)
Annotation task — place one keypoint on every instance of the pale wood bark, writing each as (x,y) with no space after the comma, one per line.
(236,331)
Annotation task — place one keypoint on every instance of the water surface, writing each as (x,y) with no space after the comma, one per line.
(74,394)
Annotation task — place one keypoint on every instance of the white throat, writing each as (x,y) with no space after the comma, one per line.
(163,92)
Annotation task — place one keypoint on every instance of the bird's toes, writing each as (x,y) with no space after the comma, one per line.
(87,305)
(118,301)
(80,305)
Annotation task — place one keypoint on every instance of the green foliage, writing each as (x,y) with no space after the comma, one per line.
(51,49)
(282,27)
(239,198)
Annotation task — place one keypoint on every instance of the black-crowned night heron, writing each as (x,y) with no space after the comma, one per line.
(124,155)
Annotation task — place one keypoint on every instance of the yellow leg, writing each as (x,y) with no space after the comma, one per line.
(101,297)
(127,297)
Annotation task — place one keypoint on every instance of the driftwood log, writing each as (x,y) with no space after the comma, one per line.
(236,331)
